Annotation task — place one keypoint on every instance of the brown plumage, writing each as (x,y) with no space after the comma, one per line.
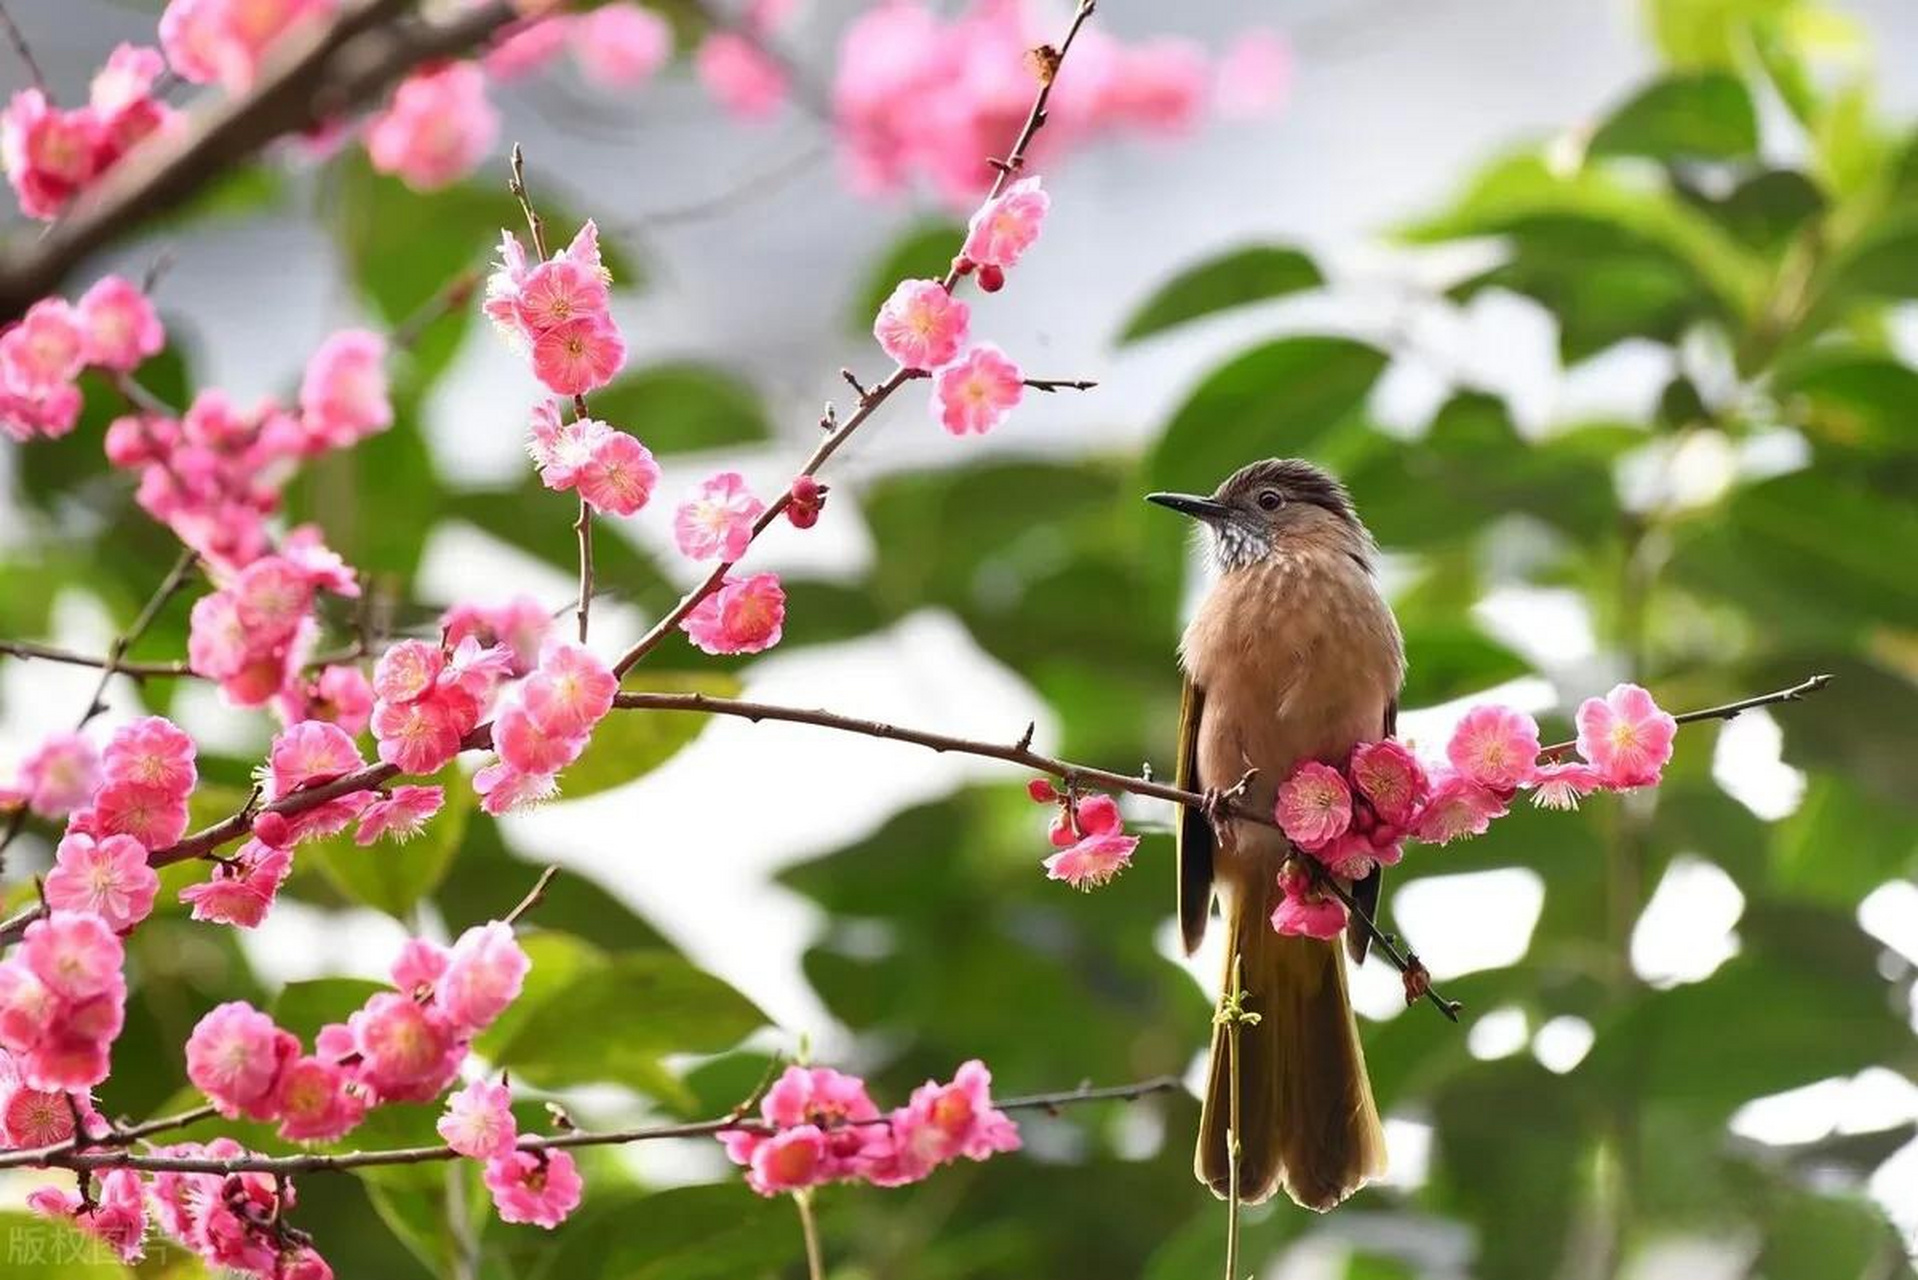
(1292,656)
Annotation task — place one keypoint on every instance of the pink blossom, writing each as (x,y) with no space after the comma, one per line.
(1563,785)
(1309,914)
(120,327)
(1159,86)
(790,1160)
(340,695)
(1314,805)
(619,475)
(407,671)
(419,967)
(403,814)
(108,877)
(116,1215)
(537,1187)
(308,754)
(717,521)
(343,395)
(944,1122)
(235,1056)
(558,291)
(1391,779)
(478,669)
(579,356)
(420,737)
(621,45)
(1092,861)
(61,775)
(1626,737)
(1495,747)
(746,615)
(521,624)
(739,75)
(316,1101)
(1458,807)
(976,392)
(527,46)
(75,955)
(152,752)
(408,1053)
(242,891)
(484,974)
(154,817)
(437,128)
(225,40)
(807,497)
(49,154)
(1005,226)
(562,449)
(571,691)
(503,789)
(530,746)
(46,349)
(478,1121)
(921,325)
(1252,78)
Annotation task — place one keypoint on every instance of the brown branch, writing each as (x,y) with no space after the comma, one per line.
(1726,711)
(28,649)
(65,1156)
(534,896)
(870,398)
(169,586)
(317,75)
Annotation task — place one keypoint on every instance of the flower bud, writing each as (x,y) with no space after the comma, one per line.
(992,279)
(808,497)
(1042,790)
(272,829)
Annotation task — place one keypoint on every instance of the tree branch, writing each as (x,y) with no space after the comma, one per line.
(318,74)
(23,51)
(869,398)
(64,1155)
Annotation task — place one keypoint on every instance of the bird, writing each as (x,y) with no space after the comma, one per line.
(1292,655)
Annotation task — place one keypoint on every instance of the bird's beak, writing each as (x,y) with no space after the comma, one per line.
(1199,508)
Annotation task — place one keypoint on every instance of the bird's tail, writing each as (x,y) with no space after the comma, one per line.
(1306,1117)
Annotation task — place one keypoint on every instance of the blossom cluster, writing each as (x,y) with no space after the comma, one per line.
(1089,834)
(1355,816)
(113,326)
(254,634)
(821,1126)
(924,328)
(923,96)
(540,1186)
(51,154)
(214,474)
(544,724)
(555,312)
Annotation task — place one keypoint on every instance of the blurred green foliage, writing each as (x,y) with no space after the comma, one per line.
(1672,224)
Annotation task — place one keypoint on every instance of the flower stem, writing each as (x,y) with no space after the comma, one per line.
(815,1258)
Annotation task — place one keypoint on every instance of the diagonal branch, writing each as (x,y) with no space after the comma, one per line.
(869,398)
(320,74)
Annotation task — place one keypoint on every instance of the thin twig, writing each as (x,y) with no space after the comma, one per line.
(870,398)
(815,1256)
(583,528)
(64,1156)
(175,579)
(1726,711)
(1233,1015)
(534,896)
(132,670)
(1050,385)
(24,51)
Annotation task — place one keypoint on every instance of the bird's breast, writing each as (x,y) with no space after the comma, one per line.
(1299,657)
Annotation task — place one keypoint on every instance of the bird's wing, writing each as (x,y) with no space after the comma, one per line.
(1366,892)
(1194,835)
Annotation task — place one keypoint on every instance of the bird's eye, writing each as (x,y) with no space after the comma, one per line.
(1270,499)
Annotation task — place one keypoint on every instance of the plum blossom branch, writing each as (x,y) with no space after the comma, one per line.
(1728,710)
(322,74)
(869,398)
(65,1155)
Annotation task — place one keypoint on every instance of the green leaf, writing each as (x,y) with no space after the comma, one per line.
(717,1232)
(1256,273)
(1841,844)
(923,252)
(1817,1237)
(1856,399)
(615,1021)
(1701,115)
(684,406)
(1282,398)
(1444,663)
(629,744)
(391,875)
(1764,210)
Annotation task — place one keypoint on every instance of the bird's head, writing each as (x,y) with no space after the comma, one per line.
(1266,507)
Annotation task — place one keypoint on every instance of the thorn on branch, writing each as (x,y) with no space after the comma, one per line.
(1025,739)
(852,380)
